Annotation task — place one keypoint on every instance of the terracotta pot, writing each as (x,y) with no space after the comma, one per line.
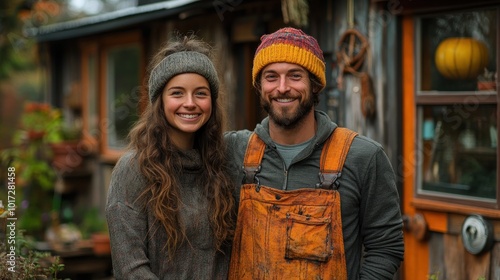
(66,156)
(35,135)
(486,85)
(101,245)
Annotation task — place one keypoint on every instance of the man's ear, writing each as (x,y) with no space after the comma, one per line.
(315,89)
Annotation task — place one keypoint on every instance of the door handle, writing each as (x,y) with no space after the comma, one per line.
(416,225)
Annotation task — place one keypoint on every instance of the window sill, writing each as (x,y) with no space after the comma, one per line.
(446,207)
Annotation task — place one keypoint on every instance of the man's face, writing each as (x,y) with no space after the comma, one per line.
(286,93)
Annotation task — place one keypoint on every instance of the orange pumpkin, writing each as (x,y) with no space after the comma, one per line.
(461,58)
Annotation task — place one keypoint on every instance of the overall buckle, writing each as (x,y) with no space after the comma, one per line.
(251,176)
(328,181)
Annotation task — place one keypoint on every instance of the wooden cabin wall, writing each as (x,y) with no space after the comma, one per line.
(448,258)
(381,28)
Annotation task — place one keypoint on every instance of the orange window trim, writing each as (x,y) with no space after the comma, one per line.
(416,265)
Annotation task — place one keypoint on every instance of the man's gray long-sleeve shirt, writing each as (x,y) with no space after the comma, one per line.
(371,217)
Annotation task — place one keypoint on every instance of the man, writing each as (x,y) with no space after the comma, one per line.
(293,224)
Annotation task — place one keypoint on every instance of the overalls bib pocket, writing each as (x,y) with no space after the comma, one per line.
(308,238)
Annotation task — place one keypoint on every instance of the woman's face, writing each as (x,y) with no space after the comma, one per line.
(187,103)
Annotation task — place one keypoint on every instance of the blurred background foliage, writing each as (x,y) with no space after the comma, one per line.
(21,78)
(17,51)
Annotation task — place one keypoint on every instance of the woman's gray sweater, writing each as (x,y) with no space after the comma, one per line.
(138,243)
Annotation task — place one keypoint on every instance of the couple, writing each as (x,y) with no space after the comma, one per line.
(173,198)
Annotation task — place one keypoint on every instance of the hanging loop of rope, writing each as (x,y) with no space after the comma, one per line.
(352,50)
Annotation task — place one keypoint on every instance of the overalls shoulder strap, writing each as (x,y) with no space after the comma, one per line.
(253,158)
(333,156)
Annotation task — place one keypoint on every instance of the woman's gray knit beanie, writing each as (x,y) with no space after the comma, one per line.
(179,63)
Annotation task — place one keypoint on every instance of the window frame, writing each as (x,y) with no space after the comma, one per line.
(100,46)
(443,201)
(89,50)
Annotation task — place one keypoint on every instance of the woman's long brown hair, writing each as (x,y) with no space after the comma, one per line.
(159,163)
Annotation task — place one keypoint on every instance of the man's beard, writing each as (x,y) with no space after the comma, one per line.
(288,119)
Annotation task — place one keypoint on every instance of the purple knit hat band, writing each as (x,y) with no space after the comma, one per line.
(292,36)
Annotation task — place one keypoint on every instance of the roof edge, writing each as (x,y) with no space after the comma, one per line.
(93,24)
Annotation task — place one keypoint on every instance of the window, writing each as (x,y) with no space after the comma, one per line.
(456,109)
(112,73)
(122,80)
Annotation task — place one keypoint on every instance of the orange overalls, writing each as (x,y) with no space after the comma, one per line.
(291,234)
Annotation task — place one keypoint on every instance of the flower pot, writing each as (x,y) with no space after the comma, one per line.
(35,135)
(66,156)
(101,245)
(492,85)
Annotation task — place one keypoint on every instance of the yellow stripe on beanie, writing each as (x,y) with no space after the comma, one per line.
(290,54)
(290,45)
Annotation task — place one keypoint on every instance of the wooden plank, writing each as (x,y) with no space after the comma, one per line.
(455,222)
(454,257)
(477,266)
(426,6)
(495,261)
(496,230)
(437,265)
(244,30)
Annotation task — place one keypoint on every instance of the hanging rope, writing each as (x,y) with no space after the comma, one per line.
(295,12)
(352,49)
(350,14)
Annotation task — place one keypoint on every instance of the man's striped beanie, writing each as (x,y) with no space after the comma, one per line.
(293,46)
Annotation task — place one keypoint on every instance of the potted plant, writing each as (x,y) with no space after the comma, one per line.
(95,228)
(36,174)
(68,154)
(35,177)
(487,80)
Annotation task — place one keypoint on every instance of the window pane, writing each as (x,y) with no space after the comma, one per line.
(456,49)
(459,150)
(122,81)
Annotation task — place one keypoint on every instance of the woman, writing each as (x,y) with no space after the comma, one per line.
(170,208)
